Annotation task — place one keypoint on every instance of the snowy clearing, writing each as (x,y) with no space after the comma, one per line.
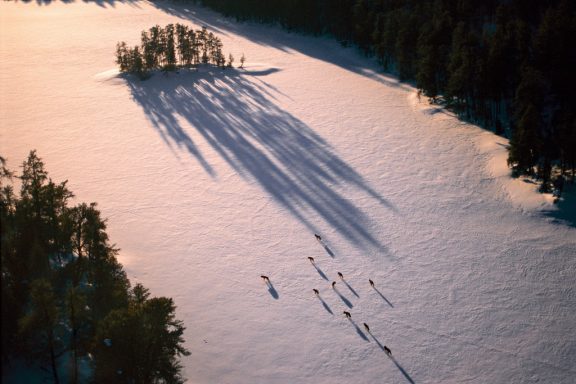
(211,179)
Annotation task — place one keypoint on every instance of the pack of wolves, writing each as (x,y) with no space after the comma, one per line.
(341,276)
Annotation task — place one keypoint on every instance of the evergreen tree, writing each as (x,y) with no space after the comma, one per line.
(140,344)
(137,63)
(148,52)
(156,45)
(202,38)
(122,56)
(184,45)
(170,48)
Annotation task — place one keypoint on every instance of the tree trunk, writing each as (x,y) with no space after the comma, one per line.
(53,357)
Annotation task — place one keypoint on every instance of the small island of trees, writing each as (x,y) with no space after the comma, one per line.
(172,47)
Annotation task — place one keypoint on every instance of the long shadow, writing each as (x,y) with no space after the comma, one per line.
(383,297)
(350,288)
(406,375)
(237,117)
(273,292)
(320,272)
(326,307)
(358,330)
(377,342)
(329,251)
(344,299)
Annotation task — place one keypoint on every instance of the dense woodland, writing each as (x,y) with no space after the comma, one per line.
(174,46)
(66,298)
(507,65)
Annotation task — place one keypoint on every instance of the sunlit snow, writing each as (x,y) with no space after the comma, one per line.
(210,179)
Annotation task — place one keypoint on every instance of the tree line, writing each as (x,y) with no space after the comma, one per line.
(506,65)
(170,47)
(66,298)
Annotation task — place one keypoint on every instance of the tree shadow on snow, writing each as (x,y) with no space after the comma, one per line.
(236,115)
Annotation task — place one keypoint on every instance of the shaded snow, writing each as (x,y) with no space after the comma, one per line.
(211,179)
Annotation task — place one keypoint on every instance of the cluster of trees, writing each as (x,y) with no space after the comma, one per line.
(171,47)
(65,296)
(507,65)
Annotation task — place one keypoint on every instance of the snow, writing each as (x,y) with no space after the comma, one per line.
(211,179)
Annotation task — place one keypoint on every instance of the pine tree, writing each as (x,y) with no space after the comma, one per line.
(170,48)
(156,46)
(140,344)
(136,65)
(202,38)
(148,52)
(122,56)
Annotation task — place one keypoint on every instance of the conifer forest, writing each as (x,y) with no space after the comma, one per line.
(66,296)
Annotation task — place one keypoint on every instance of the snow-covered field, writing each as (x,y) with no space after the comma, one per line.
(211,179)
